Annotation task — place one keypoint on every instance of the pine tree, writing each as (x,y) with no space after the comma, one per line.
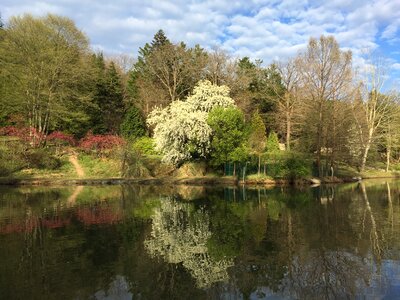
(113,106)
(257,137)
(272,143)
(133,124)
(159,40)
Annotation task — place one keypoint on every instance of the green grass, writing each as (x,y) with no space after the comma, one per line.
(66,171)
(258,177)
(95,167)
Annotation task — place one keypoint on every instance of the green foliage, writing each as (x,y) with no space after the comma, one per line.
(11,160)
(297,168)
(100,167)
(133,124)
(145,145)
(272,145)
(133,164)
(239,154)
(181,131)
(42,61)
(289,165)
(228,134)
(42,159)
(159,40)
(106,110)
(257,136)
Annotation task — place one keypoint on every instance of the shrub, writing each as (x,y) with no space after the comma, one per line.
(272,145)
(60,138)
(100,142)
(10,161)
(297,168)
(145,145)
(133,164)
(42,159)
(25,134)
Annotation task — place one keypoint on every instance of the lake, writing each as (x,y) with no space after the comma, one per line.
(182,242)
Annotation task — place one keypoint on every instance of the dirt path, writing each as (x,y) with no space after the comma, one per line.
(74,161)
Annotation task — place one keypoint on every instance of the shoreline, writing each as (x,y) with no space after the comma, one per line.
(179,181)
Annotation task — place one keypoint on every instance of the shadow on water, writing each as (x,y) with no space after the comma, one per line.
(179,242)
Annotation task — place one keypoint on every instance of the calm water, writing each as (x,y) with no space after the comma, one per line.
(145,242)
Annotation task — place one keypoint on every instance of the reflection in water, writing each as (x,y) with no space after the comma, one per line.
(180,235)
(148,242)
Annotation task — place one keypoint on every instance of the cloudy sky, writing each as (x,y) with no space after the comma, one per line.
(265,29)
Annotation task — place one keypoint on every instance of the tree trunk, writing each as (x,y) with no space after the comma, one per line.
(366,150)
(388,158)
(319,139)
(234,169)
(288,131)
(259,164)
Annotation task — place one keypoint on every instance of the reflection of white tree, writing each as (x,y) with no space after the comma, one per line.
(179,235)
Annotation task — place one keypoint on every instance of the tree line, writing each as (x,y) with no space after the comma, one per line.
(316,102)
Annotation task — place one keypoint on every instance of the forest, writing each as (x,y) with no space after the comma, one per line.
(173,105)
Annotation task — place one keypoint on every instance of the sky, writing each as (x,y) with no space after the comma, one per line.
(261,29)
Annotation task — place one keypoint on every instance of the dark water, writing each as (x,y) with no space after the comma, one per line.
(145,242)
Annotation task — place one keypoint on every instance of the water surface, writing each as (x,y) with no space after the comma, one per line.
(149,242)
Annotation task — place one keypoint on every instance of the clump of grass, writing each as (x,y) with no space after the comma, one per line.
(99,167)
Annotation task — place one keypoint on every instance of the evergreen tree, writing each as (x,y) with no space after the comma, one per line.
(272,143)
(257,137)
(108,106)
(159,40)
(133,124)
(113,106)
(94,111)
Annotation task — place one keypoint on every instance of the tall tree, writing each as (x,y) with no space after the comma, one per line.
(375,106)
(288,96)
(165,72)
(113,106)
(181,131)
(257,138)
(325,73)
(46,57)
(228,134)
(133,124)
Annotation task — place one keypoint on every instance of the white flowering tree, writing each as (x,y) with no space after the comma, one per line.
(181,131)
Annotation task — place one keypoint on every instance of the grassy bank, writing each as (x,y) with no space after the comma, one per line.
(58,165)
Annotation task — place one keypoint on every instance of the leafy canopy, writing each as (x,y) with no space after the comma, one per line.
(227,126)
(181,130)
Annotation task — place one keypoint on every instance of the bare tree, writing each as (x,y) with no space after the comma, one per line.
(376,106)
(289,100)
(325,72)
(176,68)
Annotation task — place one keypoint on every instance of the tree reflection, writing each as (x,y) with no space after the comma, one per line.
(331,242)
(180,235)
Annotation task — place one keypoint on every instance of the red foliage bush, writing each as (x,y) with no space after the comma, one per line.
(101,142)
(24,133)
(61,138)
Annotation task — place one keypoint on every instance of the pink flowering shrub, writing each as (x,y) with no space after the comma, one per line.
(59,137)
(26,134)
(100,143)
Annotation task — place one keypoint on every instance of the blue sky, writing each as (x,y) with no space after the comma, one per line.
(265,29)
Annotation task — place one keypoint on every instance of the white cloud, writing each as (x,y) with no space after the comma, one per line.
(396,66)
(265,29)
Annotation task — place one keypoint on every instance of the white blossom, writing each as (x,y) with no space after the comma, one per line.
(181,129)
